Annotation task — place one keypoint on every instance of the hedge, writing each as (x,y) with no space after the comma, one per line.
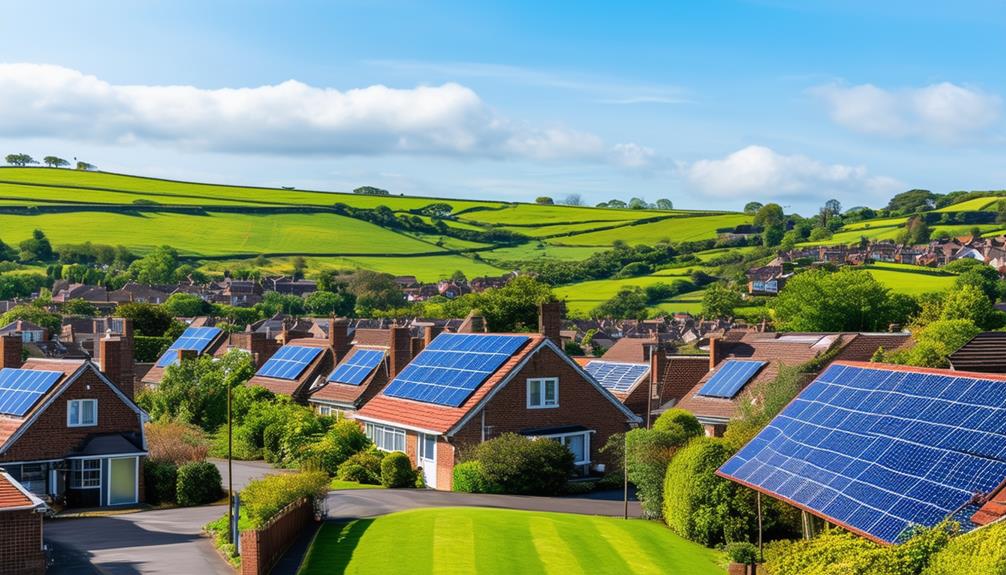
(198,484)
(470,477)
(982,551)
(160,481)
(342,440)
(264,498)
(679,419)
(363,467)
(524,466)
(397,471)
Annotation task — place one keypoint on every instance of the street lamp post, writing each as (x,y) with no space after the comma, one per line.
(230,465)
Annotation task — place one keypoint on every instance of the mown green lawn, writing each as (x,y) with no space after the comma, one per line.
(462,540)
(338,484)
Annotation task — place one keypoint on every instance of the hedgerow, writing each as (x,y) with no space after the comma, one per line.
(982,551)
(264,498)
(524,466)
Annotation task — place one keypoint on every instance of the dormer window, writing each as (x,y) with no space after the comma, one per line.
(82,412)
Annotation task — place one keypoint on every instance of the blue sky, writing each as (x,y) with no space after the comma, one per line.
(710,104)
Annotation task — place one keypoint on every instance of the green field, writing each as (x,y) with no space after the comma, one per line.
(909,279)
(498,541)
(674,229)
(585,296)
(975,205)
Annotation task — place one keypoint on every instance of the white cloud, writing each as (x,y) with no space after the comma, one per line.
(289,118)
(944,112)
(758,171)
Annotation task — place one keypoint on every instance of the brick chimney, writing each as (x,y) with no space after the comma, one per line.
(255,343)
(430,333)
(187,355)
(10,351)
(550,321)
(338,337)
(714,352)
(658,367)
(399,349)
(110,361)
(128,354)
(474,322)
(417,345)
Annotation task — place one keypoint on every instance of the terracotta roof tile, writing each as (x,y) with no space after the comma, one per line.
(628,349)
(293,386)
(10,496)
(346,393)
(439,418)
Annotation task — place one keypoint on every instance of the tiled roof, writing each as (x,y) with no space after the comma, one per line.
(628,349)
(439,418)
(371,336)
(12,495)
(986,352)
(345,393)
(993,510)
(9,425)
(864,345)
(292,386)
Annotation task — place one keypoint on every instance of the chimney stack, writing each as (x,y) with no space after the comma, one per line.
(399,348)
(255,343)
(714,352)
(10,351)
(430,333)
(416,346)
(187,355)
(128,355)
(110,361)
(550,321)
(474,322)
(338,337)
(658,367)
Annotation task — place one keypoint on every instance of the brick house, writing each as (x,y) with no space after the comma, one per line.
(21,549)
(537,391)
(765,354)
(218,343)
(71,432)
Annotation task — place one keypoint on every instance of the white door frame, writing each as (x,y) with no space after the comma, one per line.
(429,464)
(136,482)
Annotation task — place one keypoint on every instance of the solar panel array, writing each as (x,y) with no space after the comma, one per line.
(730,378)
(452,367)
(616,376)
(289,362)
(357,367)
(197,338)
(879,450)
(20,389)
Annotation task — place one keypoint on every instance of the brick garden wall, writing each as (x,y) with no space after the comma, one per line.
(262,548)
(21,543)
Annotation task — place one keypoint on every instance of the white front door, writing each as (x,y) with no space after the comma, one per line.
(122,485)
(428,458)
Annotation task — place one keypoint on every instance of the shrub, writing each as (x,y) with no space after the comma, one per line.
(264,498)
(362,467)
(396,470)
(470,477)
(160,481)
(648,452)
(679,419)
(525,466)
(972,553)
(700,506)
(342,440)
(272,436)
(198,484)
(742,552)
(176,442)
(147,349)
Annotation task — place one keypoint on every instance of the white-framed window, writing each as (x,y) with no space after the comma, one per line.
(82,412)
(386,438)
(543,392)
(85,473)
(577,443)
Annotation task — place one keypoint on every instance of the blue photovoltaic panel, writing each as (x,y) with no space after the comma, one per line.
(879,450)
(452,367)
(289,362)
(20,389)
(355,368)
(616,376)
(196,338)
(730,378)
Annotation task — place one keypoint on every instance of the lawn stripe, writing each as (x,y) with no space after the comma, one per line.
(626,546)
(555,555)
(453,545)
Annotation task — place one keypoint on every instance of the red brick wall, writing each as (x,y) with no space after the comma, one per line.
(21,543)
(261,548)
(10,351)
(681,376)
(50,438)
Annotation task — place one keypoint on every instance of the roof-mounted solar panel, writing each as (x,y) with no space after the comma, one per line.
(357,367)
(452,367)
(20,389)
(880,450)
(289,362)
(616,376)
(194,338)
(730,377)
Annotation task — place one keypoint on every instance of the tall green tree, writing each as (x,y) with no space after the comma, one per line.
(160,266)
(629,303)
(148,319)
(719,300)
(55,162)
(846,300)
(36,249)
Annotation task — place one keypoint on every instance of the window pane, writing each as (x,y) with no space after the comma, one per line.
(535,391)
(74,412)
(576,444)
(550,390)
(88,412)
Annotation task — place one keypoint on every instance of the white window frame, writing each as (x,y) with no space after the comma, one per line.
(543,383)
(381,435)
(77,471)
(80,412)
(563,437)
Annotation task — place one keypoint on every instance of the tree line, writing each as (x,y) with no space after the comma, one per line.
(24,160)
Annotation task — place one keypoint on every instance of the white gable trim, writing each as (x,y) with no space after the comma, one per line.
(62,389)
(630,417)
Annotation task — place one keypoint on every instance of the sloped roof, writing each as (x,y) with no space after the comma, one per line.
(14,497)
(346,393)
(628,350)
(292,386)
(986,352)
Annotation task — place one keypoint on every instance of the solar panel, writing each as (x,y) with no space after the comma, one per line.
(616,376)
(20,389)
(355,368)
(879,450)
(197,338)
(452,367)
(730,378)
(289,362)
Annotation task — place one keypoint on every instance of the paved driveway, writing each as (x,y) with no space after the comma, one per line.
(165,541)
(354,503)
